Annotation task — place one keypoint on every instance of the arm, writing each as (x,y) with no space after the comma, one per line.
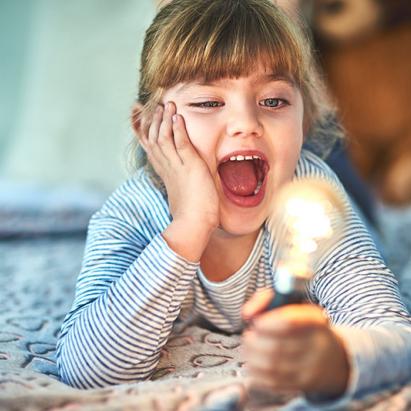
(128,295)
(362,300)
(350,356)
(366,347)
(368,315)
(130,290)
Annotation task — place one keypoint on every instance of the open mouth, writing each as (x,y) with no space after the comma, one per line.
(243,178)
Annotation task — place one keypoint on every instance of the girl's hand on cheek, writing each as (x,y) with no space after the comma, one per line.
(191,191)
(293,348)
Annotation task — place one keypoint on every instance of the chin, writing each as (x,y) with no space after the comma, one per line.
(240,225)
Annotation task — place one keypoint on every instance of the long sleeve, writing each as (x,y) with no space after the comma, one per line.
(128,295)
(361,297)
(362,300)
(367,312)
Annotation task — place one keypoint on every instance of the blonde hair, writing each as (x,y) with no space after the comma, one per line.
(212,39)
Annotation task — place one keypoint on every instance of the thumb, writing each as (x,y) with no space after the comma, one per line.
(257,304)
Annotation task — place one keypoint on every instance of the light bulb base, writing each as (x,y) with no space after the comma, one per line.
(287,282)
(289,288)
(280,300)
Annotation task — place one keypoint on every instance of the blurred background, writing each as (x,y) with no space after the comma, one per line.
(69,74)
(68,77)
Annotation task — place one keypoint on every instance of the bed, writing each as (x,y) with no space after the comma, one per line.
(42,236)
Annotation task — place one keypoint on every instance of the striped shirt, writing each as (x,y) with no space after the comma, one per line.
(133,288)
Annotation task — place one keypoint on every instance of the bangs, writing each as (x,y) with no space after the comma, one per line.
(220,39)
(208,40)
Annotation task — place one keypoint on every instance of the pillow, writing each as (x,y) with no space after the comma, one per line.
(30,209)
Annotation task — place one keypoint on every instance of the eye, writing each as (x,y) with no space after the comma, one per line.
(207,104)
(273,102)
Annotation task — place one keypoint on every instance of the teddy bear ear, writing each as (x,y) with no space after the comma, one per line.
(340,21)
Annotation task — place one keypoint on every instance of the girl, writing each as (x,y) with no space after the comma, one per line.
(227,94)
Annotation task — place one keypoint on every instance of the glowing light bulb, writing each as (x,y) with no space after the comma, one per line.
(307,219)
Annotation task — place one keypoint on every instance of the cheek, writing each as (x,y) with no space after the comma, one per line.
(295,141)
(201,134)
(194,130)
(296,129)
(291,131)
(286,147)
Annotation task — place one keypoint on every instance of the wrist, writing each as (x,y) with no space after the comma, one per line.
(188,238)
(199,221)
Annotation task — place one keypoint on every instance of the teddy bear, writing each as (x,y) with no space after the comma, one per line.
(364,49)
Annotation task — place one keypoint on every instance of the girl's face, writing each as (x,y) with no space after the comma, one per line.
(249,131)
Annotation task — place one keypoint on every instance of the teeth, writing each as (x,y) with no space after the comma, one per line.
(257,189)
(242,158)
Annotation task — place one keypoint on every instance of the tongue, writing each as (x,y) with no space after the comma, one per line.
(239,177)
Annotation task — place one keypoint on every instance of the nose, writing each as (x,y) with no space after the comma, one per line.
(243,121)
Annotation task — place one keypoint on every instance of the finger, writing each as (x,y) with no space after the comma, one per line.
(291,320)
(264,396)
(155,155)
(143,136)
(257,303)
(165,138)
(293,370)
(276,364)
(154,128)
(274,348)
(184,147)
(272,380)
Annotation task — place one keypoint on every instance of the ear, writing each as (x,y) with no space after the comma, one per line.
(136,118)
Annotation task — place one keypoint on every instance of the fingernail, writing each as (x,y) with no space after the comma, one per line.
(174,118)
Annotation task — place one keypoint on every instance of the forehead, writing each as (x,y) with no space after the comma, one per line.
(259,78)
(267,68)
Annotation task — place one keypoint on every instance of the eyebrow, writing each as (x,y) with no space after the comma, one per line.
(280,77)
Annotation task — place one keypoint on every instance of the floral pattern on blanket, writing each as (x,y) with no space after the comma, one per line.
(199,369)
(38,275)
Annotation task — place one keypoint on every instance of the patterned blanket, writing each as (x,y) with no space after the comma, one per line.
(40,256)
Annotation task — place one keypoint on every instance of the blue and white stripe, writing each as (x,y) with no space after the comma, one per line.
(133,288)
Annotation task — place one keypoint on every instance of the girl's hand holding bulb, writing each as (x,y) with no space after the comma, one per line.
(292,346)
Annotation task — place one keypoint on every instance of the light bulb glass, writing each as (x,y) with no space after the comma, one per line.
(307,219)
